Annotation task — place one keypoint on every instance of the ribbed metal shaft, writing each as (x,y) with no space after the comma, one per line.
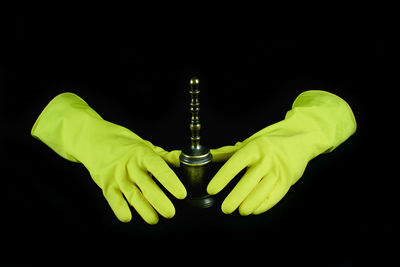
(194,109)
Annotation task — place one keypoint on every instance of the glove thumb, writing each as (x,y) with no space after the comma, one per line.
(171,157)
(225,152)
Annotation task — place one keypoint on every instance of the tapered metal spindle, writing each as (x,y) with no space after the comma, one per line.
(195,108)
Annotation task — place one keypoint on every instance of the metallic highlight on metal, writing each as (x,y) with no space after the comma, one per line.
(195,158)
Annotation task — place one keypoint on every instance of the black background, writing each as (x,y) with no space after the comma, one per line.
(135,73)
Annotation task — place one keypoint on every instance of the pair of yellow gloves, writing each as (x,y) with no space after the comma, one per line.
(123,165)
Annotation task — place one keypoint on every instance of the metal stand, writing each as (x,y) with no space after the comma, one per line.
(195,158)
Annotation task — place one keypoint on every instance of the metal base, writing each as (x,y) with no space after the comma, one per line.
(202,202)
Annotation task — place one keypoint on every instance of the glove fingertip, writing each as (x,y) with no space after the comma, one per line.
(178,190)
(211,189)
(244,211)
(118,204)
(226,208)
(170,214)
(152,221)
(182,194)
(216,185)
(124,217)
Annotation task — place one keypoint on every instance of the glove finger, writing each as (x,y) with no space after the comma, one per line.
(276,195)
(165,175)
(139,202)
(152,193)
(243,188)
(118,204)
(223,153)
(260,193)
(172,157)
(228,171)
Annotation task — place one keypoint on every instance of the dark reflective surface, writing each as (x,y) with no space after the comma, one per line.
(196,179)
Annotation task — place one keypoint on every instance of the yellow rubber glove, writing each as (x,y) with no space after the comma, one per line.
(119,161)
(276,156)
